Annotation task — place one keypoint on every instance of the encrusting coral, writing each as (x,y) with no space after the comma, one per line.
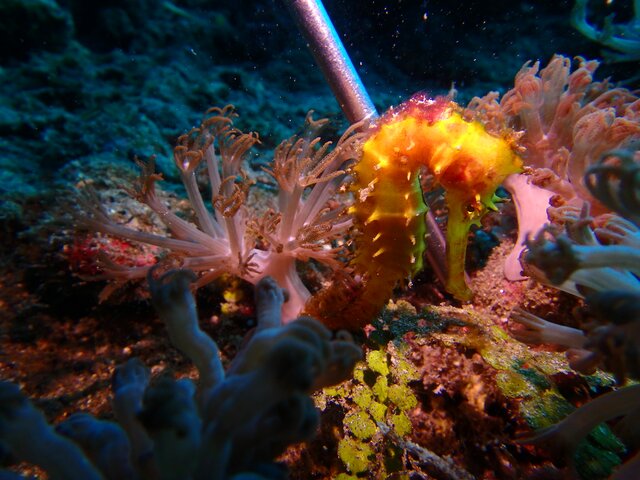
(235,240)
(232,424)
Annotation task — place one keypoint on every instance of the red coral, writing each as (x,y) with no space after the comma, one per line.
(85,255)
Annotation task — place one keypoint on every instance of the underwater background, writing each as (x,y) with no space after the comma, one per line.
(88,87)
(111,80)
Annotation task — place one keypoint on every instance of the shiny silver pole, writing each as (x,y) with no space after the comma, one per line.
(330,55)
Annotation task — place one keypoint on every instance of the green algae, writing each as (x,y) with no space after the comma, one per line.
(400,318)
(401,423)
(596,456)
(499,333)
(514,385)
(402,396)
(378,394)
(355,454)
(377,362)
(346,476)
(534,376)
(378,411)
(402,370)
(381,390)
(527,375)
(545,409)
(360,425)
(593,462)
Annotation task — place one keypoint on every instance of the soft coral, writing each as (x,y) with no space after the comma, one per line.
(232,239)
(566,122)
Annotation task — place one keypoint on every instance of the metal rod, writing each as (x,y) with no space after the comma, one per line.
(435,253)
(331,56)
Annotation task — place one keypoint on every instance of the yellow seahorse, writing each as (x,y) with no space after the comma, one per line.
(388,212)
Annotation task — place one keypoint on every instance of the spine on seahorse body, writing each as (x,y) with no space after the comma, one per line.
(388,210)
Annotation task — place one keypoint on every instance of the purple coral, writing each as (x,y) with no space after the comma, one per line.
(232,425)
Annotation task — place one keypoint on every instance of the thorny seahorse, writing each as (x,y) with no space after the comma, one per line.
(388,210)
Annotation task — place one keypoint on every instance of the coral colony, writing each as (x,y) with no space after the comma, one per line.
(230,425)
(566,122)
(565,147)
(235,240)
(581,145)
